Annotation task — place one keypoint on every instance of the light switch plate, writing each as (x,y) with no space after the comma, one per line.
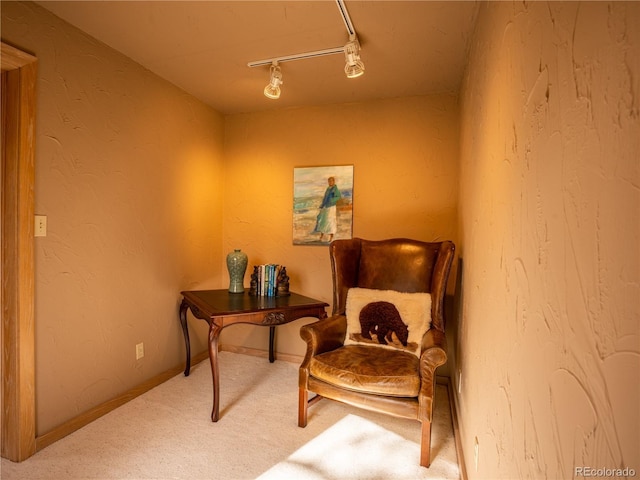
(40,226)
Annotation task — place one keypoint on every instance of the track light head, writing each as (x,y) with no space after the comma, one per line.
(273,89)
(354,67)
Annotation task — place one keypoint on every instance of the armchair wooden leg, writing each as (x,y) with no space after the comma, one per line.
(303,404)
(425,444)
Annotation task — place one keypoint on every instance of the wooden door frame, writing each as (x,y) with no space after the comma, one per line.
(18,431)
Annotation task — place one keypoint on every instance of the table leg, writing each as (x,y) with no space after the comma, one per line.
(272,335)
(214,334)
(185,330)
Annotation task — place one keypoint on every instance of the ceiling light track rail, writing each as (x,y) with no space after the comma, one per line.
(351,30)
(298,56)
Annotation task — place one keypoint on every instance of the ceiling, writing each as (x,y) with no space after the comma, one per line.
(408,47)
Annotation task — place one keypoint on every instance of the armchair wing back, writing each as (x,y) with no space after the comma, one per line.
(396,264)
(401,265)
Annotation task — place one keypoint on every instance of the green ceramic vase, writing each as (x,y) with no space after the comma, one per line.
(237,266)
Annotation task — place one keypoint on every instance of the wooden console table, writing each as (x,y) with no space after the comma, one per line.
(220,308)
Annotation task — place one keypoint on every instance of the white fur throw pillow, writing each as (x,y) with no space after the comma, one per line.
(387,318)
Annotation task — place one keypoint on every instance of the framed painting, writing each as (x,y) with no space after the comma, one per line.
(322,204)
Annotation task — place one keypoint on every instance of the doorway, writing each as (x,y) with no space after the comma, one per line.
(17,333)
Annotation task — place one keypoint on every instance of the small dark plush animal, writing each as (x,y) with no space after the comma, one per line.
(383,319)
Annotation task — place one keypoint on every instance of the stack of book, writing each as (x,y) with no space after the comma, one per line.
(265,277)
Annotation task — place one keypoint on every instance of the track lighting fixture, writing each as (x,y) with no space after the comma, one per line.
(273,89)
(354,67)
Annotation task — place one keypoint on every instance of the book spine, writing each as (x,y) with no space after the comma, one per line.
(273,279)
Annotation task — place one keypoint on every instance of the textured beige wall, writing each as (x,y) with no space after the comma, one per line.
(404,153)
(549,340)
(129,174)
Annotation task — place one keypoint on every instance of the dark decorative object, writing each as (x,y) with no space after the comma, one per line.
(283,283)
(253,288)
(383,319)
(237,266)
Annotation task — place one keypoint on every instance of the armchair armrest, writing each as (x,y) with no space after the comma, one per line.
(434,354)
(324,335)
(321,336)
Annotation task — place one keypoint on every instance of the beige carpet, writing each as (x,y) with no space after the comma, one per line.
(167,434)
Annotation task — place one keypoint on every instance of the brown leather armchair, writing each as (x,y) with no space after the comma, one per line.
(357,374)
